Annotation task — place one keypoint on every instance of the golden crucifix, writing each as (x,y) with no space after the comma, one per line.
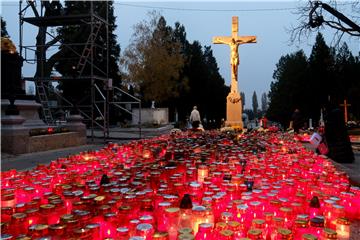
(234,41)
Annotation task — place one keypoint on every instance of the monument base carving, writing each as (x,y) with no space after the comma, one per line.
(234,111)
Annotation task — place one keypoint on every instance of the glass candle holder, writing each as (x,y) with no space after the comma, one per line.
(145,230)
(198,217)
(301,227)
(18,224)
(255,234)
(172,221)
(329,234)
(202,173)
(343,228)
(8,198)
(205,232)
(38,230)
(284,234)
(316,226)
(122,233)
(226,235)
(237,228)
(57,231)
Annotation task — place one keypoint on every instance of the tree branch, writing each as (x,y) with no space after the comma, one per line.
(52,42)
(317,14)
(32,5)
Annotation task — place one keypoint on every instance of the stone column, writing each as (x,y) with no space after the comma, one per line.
(75,124)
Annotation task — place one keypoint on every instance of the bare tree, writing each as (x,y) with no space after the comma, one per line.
(316,15)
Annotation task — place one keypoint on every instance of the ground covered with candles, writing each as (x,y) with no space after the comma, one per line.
(188,185)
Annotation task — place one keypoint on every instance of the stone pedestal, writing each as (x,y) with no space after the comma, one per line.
(234,111)
(75,124)
(158,116)
(14,136)
(28,109)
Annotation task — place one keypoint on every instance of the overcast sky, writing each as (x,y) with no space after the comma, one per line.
(204,20)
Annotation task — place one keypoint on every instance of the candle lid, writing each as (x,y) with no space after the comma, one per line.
(186,236)
(285,209)
(284,231)
(302,216)
(110,215)
(278,219)
(226,233)
(144,227)
(38,227)
(7,197)
(206,225)
(308,236)
(99,199)
(329,233)
(185,230)
(164,204)
(122,229)
(6,236)
(317,222)
(343,221)
(20,237)
(300,223)
(338,207)
(19,216)
(81,231)
(66,217)
(234,224)
(254,232)
(220,225)
(172,210)
(242,207)
(53,197)
(57,226)
(199,209)
(31,211)
(146,217)
(78,193)
(161,235)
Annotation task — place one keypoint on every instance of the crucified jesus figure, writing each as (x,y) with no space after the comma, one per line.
(234,41)
(234,57)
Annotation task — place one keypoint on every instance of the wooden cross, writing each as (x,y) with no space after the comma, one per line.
(234,41)
(345,105)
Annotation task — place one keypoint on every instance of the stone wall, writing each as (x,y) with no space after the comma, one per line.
(55,141)
(158,116)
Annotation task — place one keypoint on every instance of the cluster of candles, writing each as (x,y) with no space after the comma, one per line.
(212,185)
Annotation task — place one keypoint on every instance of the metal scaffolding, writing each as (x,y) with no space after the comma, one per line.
(101,89)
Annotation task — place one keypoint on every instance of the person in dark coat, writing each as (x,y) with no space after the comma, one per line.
(337,137)
(297,120)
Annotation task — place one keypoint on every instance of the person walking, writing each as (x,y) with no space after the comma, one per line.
(337,137)
(296,121)
(195,118)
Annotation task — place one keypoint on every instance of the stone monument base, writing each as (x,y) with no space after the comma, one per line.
(159,116)
(15,130)
(234,111)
